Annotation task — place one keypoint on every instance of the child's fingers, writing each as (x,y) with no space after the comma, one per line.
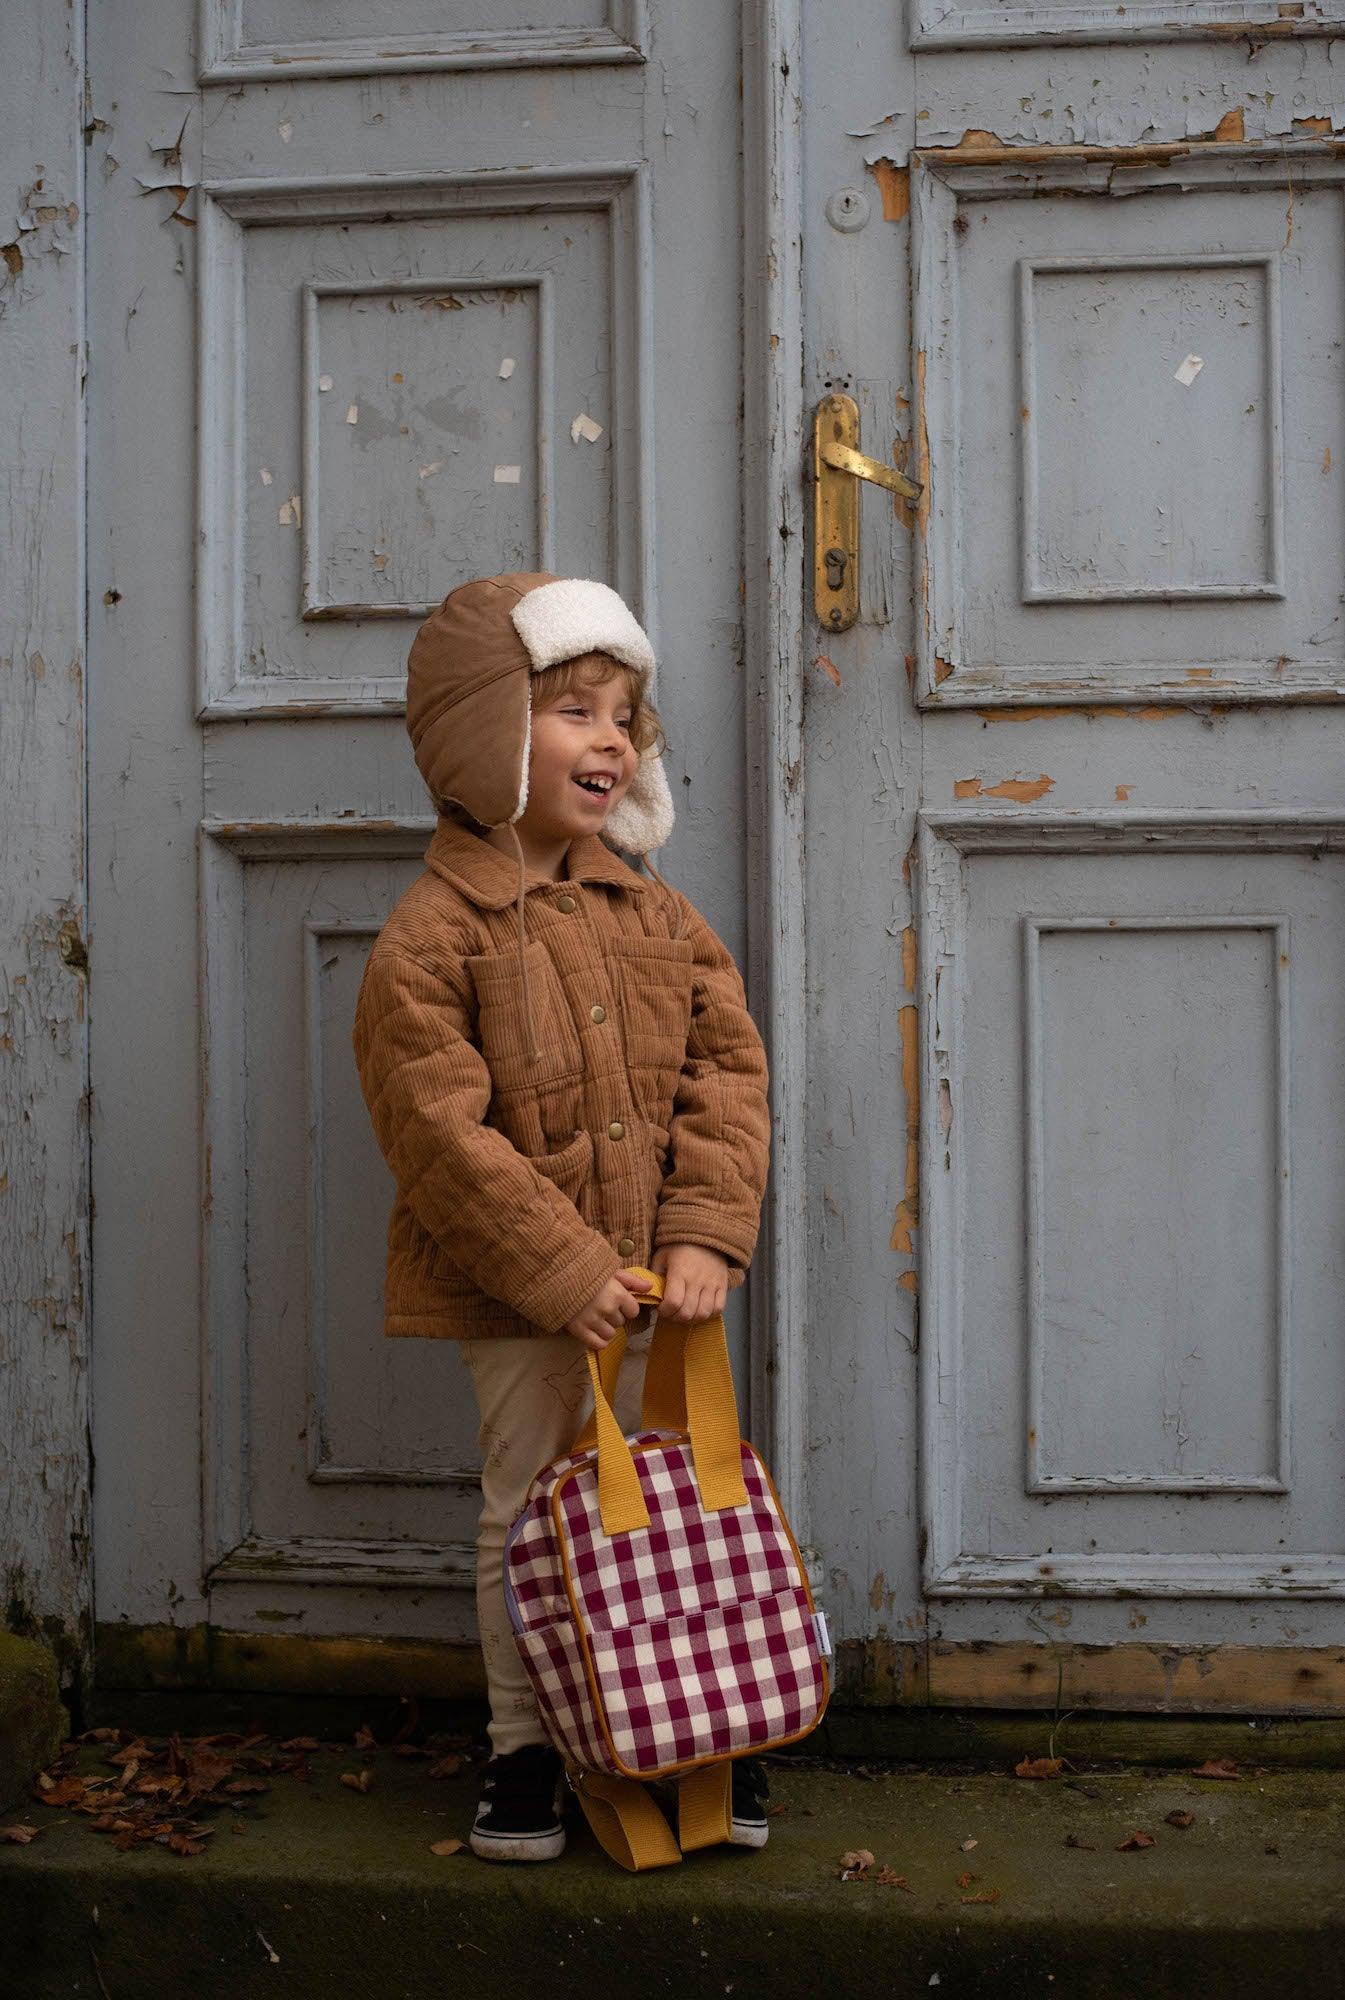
(673,1294)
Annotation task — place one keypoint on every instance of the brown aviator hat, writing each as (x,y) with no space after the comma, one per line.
(469,700)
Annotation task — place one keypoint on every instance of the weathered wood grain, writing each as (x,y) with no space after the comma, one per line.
(44,1207)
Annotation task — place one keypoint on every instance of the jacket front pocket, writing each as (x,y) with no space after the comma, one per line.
(654,976)
(502,1019)
(570,1168)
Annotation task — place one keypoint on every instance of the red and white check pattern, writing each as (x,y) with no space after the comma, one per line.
(700,1628)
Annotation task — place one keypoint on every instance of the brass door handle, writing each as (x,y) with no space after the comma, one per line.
(838,465)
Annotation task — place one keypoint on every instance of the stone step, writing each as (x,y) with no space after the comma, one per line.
(327,1890)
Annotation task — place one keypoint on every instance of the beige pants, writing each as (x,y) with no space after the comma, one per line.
(534,1395)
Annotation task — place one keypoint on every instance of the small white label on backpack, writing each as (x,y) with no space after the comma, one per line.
(823,1636)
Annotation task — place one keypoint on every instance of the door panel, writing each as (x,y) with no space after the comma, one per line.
(1134,410)
(1137,1052)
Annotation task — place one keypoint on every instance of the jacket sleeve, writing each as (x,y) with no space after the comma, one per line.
(720,1131)
(427,1087)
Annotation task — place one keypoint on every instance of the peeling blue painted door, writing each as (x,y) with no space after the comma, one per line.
(1074,879)
(375,314)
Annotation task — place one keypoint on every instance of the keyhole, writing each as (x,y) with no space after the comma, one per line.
(835,561)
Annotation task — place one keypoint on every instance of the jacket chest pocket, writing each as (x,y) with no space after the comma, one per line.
(654,979)
(502,1019)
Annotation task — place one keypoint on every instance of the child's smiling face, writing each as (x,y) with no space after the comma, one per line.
(583,734)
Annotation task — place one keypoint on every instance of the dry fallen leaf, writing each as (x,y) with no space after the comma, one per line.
(300,1743)
(1134,1841)
(365,1738)
(889,1879)
(21,1835)
(1180,1818)
(1217,1767)
(445,1846)
(67,1791)
(967,1846)
(984,1896)
(131,1753)
(1039,1767)
(358,1781)
(965,1880)
(247,1785)
(445,1767)
(857,1857)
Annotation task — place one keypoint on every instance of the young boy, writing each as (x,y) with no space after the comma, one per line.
(562,1074)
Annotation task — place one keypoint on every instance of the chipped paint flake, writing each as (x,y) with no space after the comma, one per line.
(506,367)
(437,465)
(508,475)
(324,383)
(1189,369)
(894,187)
(907,1216)
(291,512)
(353,413)
(1023,790)
(584,426)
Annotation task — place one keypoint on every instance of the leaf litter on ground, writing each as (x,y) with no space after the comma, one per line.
(166,1791)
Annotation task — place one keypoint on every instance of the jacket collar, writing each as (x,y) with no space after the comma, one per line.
(489,878)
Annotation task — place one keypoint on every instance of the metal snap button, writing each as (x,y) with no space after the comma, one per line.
(565,903)
(626,1245)
(597,1013)
(616,1130)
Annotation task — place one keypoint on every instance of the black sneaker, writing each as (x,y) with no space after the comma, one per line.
(750,1789)
(518,1818)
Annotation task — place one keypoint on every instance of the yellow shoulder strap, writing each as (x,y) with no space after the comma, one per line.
(626,1822)
(688,1383)
(704,1808)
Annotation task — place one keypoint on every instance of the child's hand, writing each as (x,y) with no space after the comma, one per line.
(594,1325)
(695,1282)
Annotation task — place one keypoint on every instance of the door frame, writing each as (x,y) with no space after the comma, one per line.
(45,1523)
(774,554)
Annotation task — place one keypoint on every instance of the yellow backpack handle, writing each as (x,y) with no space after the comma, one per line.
(688,1386)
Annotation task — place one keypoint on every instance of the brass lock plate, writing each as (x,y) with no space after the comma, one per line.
(835,517)
(838,467)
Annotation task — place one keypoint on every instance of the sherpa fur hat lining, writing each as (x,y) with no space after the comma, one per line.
(559,621)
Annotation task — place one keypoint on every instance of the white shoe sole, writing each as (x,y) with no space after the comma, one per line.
(746,1833)
(516,1847)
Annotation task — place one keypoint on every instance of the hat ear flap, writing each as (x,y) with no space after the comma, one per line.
(643,820)
(522,805)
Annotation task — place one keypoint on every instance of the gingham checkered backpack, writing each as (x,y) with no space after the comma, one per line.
(660,1603)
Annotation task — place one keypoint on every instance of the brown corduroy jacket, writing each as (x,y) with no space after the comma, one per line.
(522,1186)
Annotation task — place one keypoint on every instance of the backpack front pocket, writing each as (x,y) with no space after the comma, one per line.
(720,1680)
